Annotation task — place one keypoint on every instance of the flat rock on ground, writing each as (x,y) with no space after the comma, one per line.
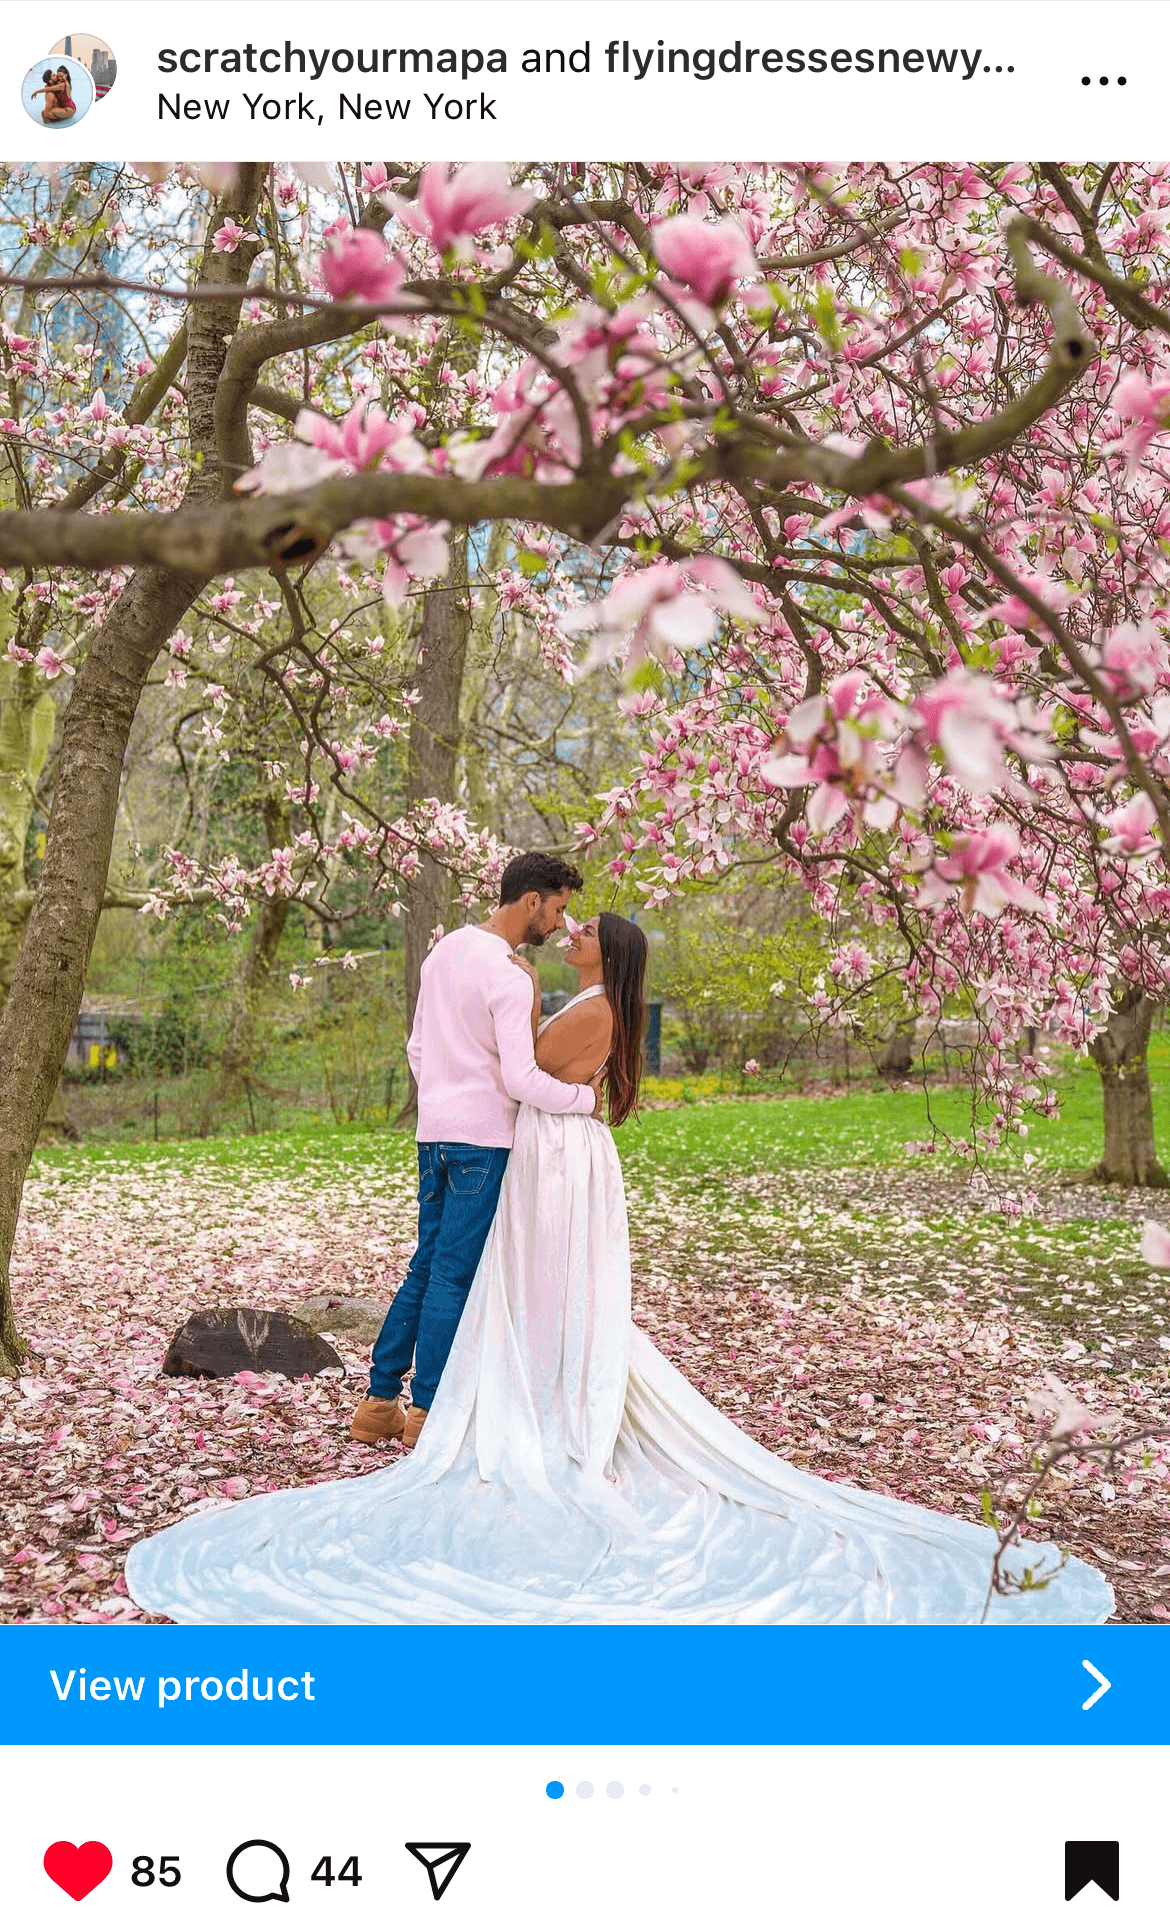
(360,1320)
(224,1341)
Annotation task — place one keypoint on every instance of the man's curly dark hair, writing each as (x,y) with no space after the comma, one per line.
(537,872)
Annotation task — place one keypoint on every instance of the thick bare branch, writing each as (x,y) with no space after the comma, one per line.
(277,531)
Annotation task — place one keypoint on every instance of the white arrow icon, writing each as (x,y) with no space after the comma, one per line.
(1097,1694)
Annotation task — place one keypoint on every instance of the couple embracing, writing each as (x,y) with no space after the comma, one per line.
(562,1470)
(507,1108)
(58,92)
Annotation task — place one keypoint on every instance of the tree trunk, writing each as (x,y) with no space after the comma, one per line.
(897,1060)
(247,998)
(1121,1052)
(474,784)
(431,765)
(49,977)
(28,716)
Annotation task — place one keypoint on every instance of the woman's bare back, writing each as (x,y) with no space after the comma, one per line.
(577,1043)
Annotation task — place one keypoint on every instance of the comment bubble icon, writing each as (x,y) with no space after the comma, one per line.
(258,1871)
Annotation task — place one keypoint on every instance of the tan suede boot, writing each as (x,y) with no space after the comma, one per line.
(414,1424)
(378,1421)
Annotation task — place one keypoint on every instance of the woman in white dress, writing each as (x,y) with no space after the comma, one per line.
(567,1473)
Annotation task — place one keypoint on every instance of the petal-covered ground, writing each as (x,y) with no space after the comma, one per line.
(879,1325)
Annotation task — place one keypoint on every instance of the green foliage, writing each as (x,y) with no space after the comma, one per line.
(737,993)
(175,1042)
(825,315)
(356,1031)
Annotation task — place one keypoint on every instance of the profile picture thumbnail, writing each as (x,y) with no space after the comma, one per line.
(95,55)
(58,92)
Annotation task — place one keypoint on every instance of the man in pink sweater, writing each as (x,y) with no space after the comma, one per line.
(472,1057)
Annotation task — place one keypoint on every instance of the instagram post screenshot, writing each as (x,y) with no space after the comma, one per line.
(585,962)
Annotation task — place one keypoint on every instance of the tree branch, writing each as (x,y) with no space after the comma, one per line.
(277,531)
(1126,296)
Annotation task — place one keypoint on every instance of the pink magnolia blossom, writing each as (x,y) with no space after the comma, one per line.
(1134,657)
(316,174)
(976,870)
(456,203)
(970,724)
(51,665)
(216,176)
(356,266)
(1069,1415)
(1131,828)
(852,965)
(1016,611)
(837,743)
(1145,405)
(709,256)
(287,466)
(1155,1244)
(652,613)
(420,553)
(226,240)
(366,438)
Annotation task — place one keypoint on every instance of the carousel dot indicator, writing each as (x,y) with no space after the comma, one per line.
(554,1789)
(615,1790)
(584,1790)
(643,1790)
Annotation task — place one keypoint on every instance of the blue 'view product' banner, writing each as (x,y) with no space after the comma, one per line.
(526,1686)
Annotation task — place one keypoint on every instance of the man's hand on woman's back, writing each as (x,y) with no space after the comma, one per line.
(534,975)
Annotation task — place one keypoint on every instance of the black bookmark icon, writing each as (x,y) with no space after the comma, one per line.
(1090,1862)
(440,1861)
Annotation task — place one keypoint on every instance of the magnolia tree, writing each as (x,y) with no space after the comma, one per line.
(865,464)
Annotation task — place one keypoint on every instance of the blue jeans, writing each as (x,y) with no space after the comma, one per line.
(458,1187)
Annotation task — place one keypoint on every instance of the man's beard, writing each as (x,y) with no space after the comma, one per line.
(534,936)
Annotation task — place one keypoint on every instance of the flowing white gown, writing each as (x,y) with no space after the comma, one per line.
(568,1474)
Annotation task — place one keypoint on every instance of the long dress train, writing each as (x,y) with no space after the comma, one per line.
(569,1474)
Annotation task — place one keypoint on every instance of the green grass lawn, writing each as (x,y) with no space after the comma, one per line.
(867,1126)
(871,1126)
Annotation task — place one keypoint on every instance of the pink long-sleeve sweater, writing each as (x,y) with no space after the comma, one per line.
(470,1048)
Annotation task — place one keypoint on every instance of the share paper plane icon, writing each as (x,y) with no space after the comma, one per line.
(440,1861)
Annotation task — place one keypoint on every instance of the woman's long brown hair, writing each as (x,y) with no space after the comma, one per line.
(623,974)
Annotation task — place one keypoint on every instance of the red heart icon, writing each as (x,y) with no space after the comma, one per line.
(78,1868)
